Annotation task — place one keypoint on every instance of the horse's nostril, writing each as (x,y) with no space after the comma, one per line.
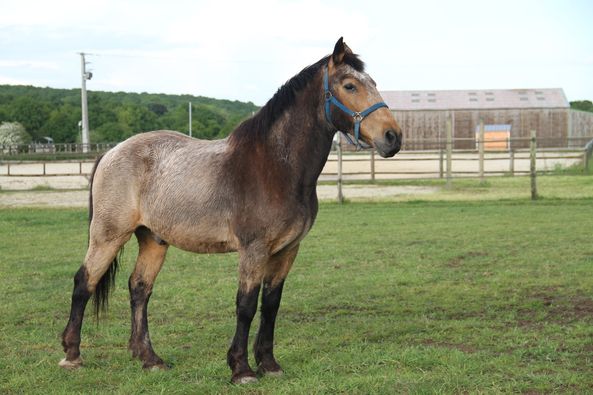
(390,137)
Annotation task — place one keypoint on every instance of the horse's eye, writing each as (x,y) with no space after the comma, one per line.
(350,87)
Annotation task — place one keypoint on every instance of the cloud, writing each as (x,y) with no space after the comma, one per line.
(4,80)
(30,64)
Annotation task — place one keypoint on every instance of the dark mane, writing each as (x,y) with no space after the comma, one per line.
(258,126)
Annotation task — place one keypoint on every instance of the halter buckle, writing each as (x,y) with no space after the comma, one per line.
(358,117)
(328,95)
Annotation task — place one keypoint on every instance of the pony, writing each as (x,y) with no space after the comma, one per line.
(253,192)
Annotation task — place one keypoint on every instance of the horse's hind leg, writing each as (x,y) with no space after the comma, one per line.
(99,257)
(71,335)
(150,260)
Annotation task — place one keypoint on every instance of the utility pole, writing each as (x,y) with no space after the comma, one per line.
(189,119)
(85,110)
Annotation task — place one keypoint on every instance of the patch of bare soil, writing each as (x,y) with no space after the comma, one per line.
(45,199)
(79,198)
(559,308)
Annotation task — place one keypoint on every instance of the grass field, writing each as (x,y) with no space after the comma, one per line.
(407,297)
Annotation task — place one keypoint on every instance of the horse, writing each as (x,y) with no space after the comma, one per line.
(253,192)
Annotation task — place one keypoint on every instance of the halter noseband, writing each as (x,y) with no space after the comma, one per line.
(357,117)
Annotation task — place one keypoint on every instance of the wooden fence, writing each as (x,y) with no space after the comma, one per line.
(448,162)
(367,165)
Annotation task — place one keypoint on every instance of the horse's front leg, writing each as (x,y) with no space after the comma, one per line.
(277,270)
(237,355)
(264,342)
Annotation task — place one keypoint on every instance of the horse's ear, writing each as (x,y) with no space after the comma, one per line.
(340,50)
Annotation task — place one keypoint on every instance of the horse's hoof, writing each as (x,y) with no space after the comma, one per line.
(275,373)
(244,379)
(64,363)
(156,368)
(270,373)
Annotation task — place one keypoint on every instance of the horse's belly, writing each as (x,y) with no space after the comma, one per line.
(207,247)
(200,238)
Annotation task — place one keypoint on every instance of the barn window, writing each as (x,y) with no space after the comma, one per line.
(415,94)
(541,98)
(473,99)
(523,99)
(415,100)
(489,99)
(432,100)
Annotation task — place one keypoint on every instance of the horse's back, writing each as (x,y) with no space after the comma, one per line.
(155,179)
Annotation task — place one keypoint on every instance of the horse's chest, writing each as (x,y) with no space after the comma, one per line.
(290,233)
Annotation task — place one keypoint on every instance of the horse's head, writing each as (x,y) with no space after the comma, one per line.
(362,112)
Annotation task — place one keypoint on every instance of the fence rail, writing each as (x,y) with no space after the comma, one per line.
(462,162)
(51,151)
(363,165)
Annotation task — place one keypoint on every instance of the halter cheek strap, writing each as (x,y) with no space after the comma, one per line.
(357,117)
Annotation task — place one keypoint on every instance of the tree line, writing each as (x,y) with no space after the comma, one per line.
(35,113)
(582,105)
(115,116)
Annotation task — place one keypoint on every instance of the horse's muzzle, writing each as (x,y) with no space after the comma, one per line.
(389,144)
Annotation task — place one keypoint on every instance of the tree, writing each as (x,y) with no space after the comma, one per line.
(157,108)
(109,132)
(62,125)
(13,133)
(115,116)
(30,113)
(583,105)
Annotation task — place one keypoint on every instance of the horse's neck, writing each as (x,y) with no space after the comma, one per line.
(301,143)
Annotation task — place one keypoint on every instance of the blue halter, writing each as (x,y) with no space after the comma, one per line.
(357,117)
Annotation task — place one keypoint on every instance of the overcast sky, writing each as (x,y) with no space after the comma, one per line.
(245,50)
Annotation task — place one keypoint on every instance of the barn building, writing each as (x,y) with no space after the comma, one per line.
(423,115)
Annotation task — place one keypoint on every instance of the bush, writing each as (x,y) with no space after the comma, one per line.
(13,133)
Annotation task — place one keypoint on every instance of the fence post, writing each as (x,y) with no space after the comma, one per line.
(532,165)
(588,152)
(512,162)
(441,158)
(339,150)
(373,165)
(481,150)
(449,152)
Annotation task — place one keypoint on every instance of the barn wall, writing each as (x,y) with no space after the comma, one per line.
(581,126)
(422,129)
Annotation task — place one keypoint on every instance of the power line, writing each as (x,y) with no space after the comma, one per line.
(203,59)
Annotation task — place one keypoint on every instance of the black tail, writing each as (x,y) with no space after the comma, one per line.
(104,287)
(107,282)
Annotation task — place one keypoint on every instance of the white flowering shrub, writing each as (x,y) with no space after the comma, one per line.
(13,133)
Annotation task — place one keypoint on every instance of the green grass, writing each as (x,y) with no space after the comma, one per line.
(493,189)
(406,297)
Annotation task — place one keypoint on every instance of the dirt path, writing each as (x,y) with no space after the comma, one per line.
(79,198)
